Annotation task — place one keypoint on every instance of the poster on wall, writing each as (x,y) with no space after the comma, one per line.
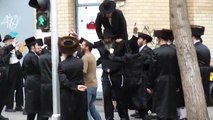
(86,24)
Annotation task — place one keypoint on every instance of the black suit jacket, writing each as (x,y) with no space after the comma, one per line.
(31,73)
(45,65)
(114,66)
(165,82)
(118,27)
(203,54)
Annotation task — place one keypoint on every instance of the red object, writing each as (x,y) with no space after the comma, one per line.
(91,26)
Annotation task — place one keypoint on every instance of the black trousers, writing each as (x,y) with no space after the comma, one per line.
(115,88)
(15,84)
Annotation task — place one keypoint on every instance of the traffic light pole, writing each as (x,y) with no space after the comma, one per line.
(55,61)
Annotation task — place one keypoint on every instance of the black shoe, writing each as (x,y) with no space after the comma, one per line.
(9,110)
(3,118)
(19,109)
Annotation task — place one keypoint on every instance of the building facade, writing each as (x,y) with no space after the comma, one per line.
(154,14)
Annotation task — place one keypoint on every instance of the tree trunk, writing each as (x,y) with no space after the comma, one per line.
(190,73)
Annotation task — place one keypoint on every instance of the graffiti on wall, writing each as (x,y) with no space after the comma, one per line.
(11,21)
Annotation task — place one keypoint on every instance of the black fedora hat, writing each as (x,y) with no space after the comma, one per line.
(145,36)
(30,41)
(165,34)
(68,45)
(108,6)
(7,37)
(88,42)
(108,33)
(40,42)
(197,30)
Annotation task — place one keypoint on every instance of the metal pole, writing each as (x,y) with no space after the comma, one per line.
(55,61)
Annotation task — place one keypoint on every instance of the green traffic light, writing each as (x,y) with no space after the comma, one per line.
(41,20)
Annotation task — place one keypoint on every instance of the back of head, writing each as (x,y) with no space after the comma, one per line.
(197,30)
(164,34)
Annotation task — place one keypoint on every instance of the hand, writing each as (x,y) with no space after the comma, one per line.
(118,40)
(16,40)
(111,50)
(73,34)
(135,29)
(81,88)
(148,90)
(17,47)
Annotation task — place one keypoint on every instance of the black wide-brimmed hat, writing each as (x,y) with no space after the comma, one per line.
(68,45)
(165,34)
(7,37)
(197,30)
(170,34)
(30,41)
(108,6)
(145,36)
(108,33)
(88,42)
(40,42)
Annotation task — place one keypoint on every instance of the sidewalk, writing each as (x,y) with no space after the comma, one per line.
(99,107)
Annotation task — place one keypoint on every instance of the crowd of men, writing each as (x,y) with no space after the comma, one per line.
(134,75)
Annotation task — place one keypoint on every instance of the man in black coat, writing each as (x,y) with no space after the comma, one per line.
(45,65)
(203,56)
(180,103)
(112,19)
(139,70)
(112,78)
(164,82)
(4,88)
(14,77)
(72,89)
(32,76)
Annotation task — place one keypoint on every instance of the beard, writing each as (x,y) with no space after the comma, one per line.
(108,46)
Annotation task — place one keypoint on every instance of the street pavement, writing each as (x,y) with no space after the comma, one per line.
(99,106)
